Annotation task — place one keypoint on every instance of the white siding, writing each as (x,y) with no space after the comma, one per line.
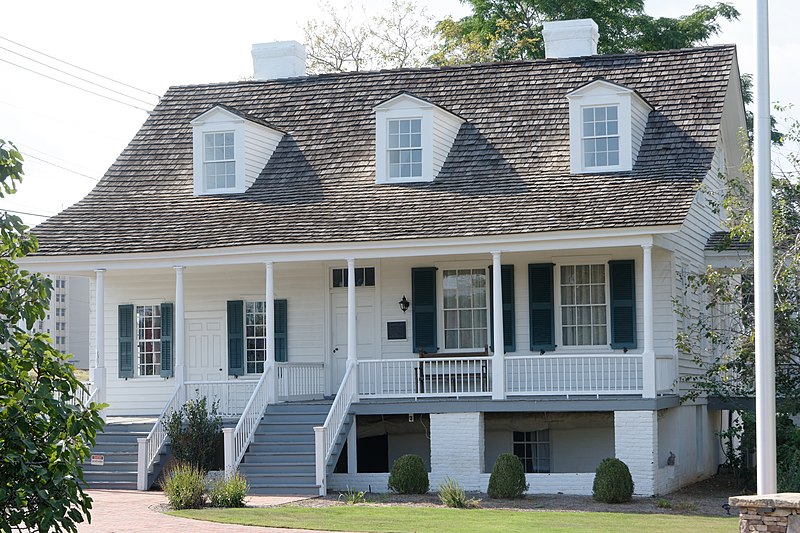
(259,145)
(445,129)
(639,114)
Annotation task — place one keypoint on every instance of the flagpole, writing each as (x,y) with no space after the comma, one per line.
(764,297)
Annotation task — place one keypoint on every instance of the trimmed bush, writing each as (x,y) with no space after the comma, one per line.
(228,492)
(193,431)
(409,476)
(508,477)
(612,482)
(183,486)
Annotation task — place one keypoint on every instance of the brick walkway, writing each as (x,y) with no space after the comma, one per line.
(130,511)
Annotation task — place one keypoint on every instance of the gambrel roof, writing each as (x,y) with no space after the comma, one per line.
(508,171)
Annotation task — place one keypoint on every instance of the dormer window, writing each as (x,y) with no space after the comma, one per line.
(601,136)
(405,148)
(606,127)
(219,164)
(230,150)
(412,139)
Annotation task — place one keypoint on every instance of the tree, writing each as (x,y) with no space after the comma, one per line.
(400,38)
(504,30)
(45,432)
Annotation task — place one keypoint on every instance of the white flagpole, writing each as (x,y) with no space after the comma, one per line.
(764,298)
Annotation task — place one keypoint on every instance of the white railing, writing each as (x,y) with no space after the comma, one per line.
(297,381)
(325,435)
(150,446)
(81,397)
(232,395)
(403,378)
(237,440)
(574,374)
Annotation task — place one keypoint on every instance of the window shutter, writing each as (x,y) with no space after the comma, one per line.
(623,304)
(235,337)
(125,328)
(423,308)
(167,344)
(281,331)
(509,327)
(540,299)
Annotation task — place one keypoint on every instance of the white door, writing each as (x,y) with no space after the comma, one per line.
(366,335)
(204,354)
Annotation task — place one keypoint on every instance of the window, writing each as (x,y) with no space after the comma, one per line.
(365,277)
(600,136)
(405,148)
(583,305)
(533,449)
(465,310)
(148,337)
(219,165)
(256,337)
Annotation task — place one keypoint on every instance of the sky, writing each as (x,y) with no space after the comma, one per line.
(69,137)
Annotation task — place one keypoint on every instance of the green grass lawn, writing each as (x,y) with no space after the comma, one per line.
(440,520)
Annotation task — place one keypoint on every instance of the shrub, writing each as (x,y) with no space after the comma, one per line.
(789,471)
(228,492)
(353,496)
(612,482)
(193,431)
(183,486)
(508,477)
(408,475)
(452,495)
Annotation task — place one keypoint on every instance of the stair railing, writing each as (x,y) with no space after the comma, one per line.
(236,440)
(150,446)
(325,435)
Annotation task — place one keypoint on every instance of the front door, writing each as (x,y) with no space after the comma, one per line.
(204,359)
(367,345)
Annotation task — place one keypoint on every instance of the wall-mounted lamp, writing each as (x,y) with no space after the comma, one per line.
(404,304)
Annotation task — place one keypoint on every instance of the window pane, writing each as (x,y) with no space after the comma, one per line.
(404,126)
(451,339)
(416,126)
(613,158)
(598,294)
(451,319)
(611,113)
(394,127)
(588,114)
(567,295)
(465,319)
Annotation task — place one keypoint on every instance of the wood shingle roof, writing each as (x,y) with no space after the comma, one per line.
(507,172)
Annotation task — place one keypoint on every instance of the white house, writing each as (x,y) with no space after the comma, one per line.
(329,246)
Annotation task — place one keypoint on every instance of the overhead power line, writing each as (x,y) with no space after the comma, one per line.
(75,86)
(77,67)
(24,213)
(62,168)
(76,77)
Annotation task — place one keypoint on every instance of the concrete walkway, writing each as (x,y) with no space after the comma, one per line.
(130,511)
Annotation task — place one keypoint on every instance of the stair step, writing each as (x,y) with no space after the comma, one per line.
(279,468)
(267,447)
(117,485)
(282,437)
(285,489)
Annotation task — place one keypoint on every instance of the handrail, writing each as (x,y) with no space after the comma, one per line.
(150,446)
(325,435)
(236,444)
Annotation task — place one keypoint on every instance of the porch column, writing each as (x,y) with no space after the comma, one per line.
(498,354)
(648,353)
(180,329)
(269,313)
(352,353)
(97,372)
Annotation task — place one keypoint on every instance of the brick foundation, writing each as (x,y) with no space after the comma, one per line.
(776,513)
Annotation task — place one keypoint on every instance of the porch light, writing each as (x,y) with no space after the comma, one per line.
(404,304)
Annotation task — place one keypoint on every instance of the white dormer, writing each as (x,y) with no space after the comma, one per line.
(606,126)
(412,139)
(230,150)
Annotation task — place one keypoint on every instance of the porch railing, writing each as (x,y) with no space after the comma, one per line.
(150,446)
(325,435)
(238,439)
(298,381)
(232,395)
(573,374)
(403,378)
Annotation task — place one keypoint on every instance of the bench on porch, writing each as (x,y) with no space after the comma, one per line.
(436,371)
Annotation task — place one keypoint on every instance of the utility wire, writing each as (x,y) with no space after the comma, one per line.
(62,168)
(77,67)
(26,148)
(75,86)
(24,213)
(77,77)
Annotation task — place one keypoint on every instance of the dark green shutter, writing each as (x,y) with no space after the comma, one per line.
(623,304)
(540,299)
(235,337)
(423,308)
(281,331)
(125,328)
(167,344)
(509,327)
